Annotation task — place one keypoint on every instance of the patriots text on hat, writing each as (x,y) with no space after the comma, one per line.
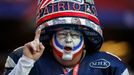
(62,6)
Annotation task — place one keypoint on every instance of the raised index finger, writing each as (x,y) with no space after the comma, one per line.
(38,33)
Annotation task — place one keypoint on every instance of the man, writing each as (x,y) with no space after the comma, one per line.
(67,42)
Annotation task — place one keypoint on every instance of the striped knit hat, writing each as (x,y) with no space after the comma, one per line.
(54,15)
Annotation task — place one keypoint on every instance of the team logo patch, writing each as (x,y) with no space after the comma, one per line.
(76,21)
(100,63)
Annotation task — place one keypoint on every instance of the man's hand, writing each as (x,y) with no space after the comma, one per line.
(34,49)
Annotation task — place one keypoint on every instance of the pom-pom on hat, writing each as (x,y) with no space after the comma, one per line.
(54,15)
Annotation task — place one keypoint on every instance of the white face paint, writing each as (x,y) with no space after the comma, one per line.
(69,38)
(68,42)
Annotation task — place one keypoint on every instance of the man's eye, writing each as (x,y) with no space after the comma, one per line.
(61,34)
(75,35)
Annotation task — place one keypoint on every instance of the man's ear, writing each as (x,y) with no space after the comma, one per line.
(83,46)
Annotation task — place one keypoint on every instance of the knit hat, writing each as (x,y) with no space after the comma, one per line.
(55,15)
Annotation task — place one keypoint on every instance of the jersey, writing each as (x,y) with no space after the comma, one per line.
(98,63)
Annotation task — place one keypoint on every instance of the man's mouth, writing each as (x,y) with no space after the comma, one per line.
(68,49)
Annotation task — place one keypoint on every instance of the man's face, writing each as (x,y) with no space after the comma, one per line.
(68,43)
(69,38)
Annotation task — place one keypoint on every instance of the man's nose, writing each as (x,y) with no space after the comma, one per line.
(68,38)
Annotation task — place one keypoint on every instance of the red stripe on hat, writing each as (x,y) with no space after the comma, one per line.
(68,14)
(44,3)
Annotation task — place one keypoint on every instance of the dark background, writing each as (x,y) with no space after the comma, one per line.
(17,25)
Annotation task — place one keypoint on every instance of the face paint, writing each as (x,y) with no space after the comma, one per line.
(68,43)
